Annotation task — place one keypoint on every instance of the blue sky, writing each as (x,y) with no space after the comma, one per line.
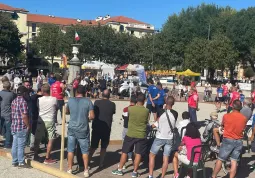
(150,11)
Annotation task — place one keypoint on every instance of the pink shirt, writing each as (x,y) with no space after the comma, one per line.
(253,97)
(190,143)
(192,100)
(234,96)
(225,90)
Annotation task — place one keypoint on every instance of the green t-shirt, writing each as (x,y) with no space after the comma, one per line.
(138,120)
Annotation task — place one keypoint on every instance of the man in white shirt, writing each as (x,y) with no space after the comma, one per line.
(164,137)
(47,106)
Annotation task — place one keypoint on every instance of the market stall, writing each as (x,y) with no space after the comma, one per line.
(188,72)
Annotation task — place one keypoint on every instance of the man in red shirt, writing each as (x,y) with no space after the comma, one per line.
(57,90)
(225,93)
(233,125)
(233,96)
(193,104)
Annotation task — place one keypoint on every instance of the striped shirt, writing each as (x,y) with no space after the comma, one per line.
(19,107)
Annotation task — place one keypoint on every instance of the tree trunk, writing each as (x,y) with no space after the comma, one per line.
(211,74)
(52,59)
(231,69)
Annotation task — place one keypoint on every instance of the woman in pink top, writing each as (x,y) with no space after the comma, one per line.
(190,140)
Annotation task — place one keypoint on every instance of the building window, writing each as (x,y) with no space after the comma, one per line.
(33,27)
(132,32)
(121,28)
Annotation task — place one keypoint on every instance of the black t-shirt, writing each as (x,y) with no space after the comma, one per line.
(175,113)
(104,110)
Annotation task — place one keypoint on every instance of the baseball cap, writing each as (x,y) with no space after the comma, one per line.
(214,115)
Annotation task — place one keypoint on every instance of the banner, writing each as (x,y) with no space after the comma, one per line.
(245,86)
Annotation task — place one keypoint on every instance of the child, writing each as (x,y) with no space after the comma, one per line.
(183,123)
(190,140)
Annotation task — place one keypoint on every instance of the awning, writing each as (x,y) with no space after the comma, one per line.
(124,67)
(188,72)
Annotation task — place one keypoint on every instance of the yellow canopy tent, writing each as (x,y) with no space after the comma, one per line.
(188,72)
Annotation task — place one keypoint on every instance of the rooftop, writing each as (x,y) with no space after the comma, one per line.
(9,8)
(36,18)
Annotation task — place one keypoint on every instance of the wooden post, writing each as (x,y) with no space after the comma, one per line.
(62,151)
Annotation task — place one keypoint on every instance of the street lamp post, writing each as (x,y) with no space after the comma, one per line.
(153,43)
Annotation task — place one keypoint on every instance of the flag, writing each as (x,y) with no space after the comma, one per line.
(77,38)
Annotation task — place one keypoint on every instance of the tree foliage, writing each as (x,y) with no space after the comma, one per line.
(10,44)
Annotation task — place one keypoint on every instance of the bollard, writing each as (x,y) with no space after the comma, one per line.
(62,151)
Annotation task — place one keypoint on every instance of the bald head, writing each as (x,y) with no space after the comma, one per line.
(106,94)
(170,101)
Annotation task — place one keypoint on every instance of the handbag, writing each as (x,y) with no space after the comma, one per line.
(174,130)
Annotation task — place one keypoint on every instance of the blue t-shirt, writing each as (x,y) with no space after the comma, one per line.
(79,110)
(161,99)
(51,81)
(253,122)
(153,91)
(242,97)
(220,91)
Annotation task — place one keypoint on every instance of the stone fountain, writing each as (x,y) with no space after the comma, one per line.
(74,64)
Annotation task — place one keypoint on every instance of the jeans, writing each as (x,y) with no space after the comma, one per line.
(18,146)
(60,103)
(83,143)
(193,114)
(8,134)
(32,134)
(232,148)
(167,144)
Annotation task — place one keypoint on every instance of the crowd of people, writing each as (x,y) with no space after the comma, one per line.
(29,117)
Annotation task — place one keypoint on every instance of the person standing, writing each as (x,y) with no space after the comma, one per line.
(76,83)
(125,123)
(101,126)
(102,85)
(219,98)
(35,114)
(229,85)
(39,81)
(162,95)
(6,98)
(81,111)
(20,126)
(153,95)
(246,109)
(57,91)
(164,137)
(232,143)
(136,136)
(233,96)
(47,106)
(193,104)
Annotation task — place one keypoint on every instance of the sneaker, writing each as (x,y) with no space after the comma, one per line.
(69,171)
(15,164)
(134,174)
(23,165)
(49,161)
(117,172)
(150,176)
(86,173)
(130,159)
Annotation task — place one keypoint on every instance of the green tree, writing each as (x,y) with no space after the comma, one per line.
(248,72)
(10,44)
(49,41)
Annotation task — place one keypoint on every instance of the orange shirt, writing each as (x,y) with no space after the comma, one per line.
(234,124)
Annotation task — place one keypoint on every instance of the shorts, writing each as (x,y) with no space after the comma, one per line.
(219,99)
(184,159)
(167,145)
(45,127)
(83,143)
(103,135)
(151,108)
(140,145)
(230,148)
